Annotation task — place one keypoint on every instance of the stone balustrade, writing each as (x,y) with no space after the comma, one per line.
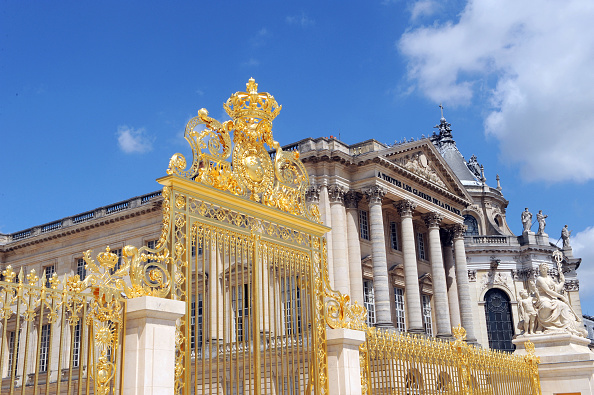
(80,218)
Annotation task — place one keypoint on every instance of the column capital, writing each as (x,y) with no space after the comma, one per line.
(312,194)
(375,194)
(405,207)
(336,193)
(352,198)
(432,220)
(458,230)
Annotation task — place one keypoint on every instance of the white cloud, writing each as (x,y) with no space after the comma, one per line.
(302,20)
(251,62)
(583,247)
(132,140)
(259,38)
(532,61)
(423,8)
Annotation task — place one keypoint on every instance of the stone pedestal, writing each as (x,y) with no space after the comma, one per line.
(149,360)
(542,239)
(566,362)
(344,371)
(529,237)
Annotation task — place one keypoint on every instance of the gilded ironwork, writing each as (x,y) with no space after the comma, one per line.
(35,311)
(402,363)
(239,163)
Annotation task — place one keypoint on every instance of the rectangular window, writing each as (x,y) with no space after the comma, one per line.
(12,338)
(118,252)
(364,224)
(76,345)
(427,315)
(291,298)
(196,321)
(369,301)
(421,245)
(81,269)
(151,244)
(394,235)
(241,308)
(44,348)
(400,312)
(49,271)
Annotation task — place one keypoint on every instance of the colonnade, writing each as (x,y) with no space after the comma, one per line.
(447,258)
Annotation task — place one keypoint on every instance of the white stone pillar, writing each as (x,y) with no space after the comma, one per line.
(462,281)
(411,273)
(149,361)
(351,201)
(440,289)
(327,220)
(339,240)
(381,285)
(450,271)
(344,370)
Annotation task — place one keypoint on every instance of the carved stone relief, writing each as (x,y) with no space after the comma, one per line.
(496,278)
(419,164)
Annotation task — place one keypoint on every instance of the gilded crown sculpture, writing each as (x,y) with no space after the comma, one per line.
(231,156)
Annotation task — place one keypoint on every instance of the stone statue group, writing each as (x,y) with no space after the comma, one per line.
(541,219)
(545,308)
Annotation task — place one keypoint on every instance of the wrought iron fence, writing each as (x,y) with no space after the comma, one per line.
(60,337)
(396,363)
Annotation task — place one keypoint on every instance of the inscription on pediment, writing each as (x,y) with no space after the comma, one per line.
(419,164)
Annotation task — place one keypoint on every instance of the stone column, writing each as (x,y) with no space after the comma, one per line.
(149,363)
(339,239)
(450,271)
(440,289)
(411,273)
(351,201)
(344,370)
(381,286)
(462,281)
(327,220)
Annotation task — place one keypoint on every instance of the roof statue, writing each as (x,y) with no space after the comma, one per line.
(231,156)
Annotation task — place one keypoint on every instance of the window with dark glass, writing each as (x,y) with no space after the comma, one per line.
(471,225)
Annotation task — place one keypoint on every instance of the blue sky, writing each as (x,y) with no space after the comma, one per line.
(94,97)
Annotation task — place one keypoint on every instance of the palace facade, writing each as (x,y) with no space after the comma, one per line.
(417,237)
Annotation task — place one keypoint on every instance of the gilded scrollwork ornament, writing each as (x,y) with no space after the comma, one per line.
(231,156)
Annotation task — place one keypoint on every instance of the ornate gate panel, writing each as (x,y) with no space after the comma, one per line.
(248,258)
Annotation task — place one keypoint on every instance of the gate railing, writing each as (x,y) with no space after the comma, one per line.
(395,363)
(67,335)
(55,337)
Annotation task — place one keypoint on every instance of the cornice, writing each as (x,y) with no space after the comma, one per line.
(153,205)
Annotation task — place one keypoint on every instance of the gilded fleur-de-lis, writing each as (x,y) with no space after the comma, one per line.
(8,274)
(32,277)
(54,281)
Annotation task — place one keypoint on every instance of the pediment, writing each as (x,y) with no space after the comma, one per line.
(421,159)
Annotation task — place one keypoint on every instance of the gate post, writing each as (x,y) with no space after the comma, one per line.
(149,353)
(344,369)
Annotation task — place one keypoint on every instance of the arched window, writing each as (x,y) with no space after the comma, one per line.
(499,320)
(471,225)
